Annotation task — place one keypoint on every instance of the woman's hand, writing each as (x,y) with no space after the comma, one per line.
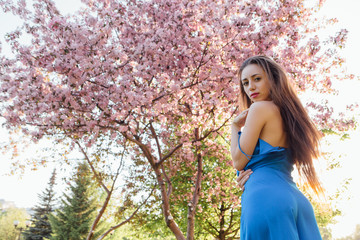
(239,121)
(243,177)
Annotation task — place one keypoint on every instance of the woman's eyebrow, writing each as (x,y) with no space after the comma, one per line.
(250,76)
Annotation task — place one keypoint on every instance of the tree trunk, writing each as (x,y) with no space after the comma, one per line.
(193,204)
(166,207)
(222,233)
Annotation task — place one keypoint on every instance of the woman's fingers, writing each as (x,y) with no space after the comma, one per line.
(243,177)
(243,181)
(241,118)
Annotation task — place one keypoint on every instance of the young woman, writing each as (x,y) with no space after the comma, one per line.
(277,133)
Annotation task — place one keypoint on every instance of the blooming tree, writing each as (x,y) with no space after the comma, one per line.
(147,72)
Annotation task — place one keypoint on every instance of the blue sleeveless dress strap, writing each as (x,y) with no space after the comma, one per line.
(246,155)
(273,208)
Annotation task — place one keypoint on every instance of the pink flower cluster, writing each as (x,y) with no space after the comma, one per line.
(115,67)
(159,73)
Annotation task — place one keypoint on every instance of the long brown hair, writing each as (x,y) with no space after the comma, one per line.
(302,135)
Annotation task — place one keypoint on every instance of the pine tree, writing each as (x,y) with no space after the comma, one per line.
(40,227)
(73,219)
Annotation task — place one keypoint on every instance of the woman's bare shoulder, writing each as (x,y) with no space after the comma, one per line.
(264,107)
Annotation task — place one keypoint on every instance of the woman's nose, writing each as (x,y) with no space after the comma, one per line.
(251,85)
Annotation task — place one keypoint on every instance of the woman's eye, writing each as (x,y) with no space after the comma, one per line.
(245,83)
(257,79)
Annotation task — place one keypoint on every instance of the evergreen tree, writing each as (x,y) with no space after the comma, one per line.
(41,228)
(74,217)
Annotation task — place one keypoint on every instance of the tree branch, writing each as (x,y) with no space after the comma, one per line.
(128,219)
(213,227)
(215,130)
(169,154)
(156,139)
(107,200)
(201,60)
(143,147)
(92,168)
(169,190)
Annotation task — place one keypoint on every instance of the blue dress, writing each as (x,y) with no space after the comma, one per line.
(273,208)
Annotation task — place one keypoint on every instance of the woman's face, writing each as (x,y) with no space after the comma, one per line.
(255,83)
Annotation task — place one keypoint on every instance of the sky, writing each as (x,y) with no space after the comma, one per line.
(346,12)
(23,190)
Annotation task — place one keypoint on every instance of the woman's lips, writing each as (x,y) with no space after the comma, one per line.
(254,95)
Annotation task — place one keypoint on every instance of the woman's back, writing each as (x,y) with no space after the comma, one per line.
(273,131)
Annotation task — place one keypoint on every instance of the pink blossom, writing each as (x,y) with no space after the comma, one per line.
(112,72)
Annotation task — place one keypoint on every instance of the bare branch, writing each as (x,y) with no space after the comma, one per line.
(128,219)
(156,139)
(143,147)
(92,168)
(213,227)
(169,154)
(215,130)
(169,190)
(106,202)
(101,212)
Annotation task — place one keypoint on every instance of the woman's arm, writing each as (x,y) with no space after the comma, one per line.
(253,121)
(236,125)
